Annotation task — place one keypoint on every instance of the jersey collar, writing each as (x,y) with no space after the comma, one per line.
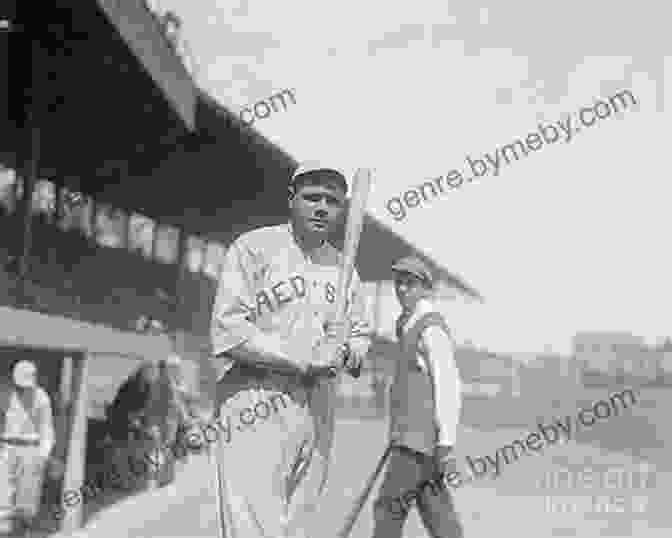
(308,254)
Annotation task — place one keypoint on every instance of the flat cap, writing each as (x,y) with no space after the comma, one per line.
(414,266)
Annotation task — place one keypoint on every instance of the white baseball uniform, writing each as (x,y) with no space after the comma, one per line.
(273,465)
(26,440)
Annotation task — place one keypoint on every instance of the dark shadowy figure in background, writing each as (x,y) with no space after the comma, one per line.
(134,421)
(185,410)
(126,416)
(148,422)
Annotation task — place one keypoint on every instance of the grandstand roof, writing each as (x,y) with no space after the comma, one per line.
(109,99)
(122,120)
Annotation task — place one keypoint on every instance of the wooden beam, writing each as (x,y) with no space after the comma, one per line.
(29,176)
(62,412)
(30,156)
(76,460)
(179,275)
(66,383)
(26,328)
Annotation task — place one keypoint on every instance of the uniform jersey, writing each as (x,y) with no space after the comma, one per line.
(267,283)
(26,439)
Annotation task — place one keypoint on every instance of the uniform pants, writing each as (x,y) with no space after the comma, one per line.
(272,454)
(406,471)
(21,476)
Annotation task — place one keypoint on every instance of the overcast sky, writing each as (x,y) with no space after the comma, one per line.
(573,237)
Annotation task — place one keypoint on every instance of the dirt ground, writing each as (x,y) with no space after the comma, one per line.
(538,495)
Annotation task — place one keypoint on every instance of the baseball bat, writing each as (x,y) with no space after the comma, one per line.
(219,486)
(361,186)
(361,500)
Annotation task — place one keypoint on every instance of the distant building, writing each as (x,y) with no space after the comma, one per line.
(620,356)
(603,351)
(666,345)
(606,341)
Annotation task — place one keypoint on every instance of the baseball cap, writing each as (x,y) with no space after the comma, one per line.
(309,167)
(24,374)
(414,266)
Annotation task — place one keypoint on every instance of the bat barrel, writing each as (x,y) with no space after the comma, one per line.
(361,186)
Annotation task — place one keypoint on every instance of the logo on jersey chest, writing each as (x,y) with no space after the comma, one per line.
(271,299)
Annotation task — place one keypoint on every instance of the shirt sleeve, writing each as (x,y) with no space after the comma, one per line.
(440,351)
(234,303)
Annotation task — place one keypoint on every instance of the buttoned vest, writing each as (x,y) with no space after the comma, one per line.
(412,402)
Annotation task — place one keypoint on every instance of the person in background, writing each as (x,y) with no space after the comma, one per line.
(26,441)
(148,418)
(175,371)
(130,427)
(189,402)
(425,406)
(172,25)
(173,30)
(169,413)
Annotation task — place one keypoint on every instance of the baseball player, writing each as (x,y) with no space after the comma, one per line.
(425,405)
(272,337)
(26,441)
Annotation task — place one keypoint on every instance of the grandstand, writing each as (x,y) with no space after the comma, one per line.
(121,184)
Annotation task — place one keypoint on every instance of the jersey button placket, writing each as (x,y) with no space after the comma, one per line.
(312,299)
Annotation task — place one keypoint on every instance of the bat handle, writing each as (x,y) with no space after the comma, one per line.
(354,372)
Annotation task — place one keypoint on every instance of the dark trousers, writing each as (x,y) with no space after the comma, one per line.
(407,484)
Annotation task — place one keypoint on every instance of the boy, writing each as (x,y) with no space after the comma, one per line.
(424,412)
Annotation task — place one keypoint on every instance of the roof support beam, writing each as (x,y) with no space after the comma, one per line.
(138,27)
(29,150)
